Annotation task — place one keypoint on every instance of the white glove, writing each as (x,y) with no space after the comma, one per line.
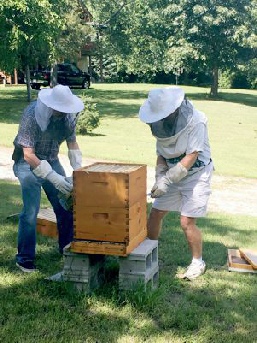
(75,157)
(160,187)
(45,171)
(173,175)
(160,171)
(60,183)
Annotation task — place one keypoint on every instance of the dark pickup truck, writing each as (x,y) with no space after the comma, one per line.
(67,74)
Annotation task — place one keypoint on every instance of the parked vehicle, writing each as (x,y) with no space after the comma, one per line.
(39,78)
(70,75)
(67,74)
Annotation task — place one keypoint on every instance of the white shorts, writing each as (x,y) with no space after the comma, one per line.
(189,196)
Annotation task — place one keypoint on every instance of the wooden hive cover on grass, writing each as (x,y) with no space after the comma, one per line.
(237,263)
(46,222)
(250,256)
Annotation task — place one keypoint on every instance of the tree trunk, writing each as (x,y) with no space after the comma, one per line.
(215,82)
(101,67)
(53,80)
(15,76)
(28,83)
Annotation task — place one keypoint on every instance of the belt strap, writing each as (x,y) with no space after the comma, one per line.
(198,163)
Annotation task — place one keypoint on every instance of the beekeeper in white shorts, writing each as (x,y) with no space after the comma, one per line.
(184,167)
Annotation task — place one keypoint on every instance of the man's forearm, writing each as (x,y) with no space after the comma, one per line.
(189,160)
(73,145)
(31,158)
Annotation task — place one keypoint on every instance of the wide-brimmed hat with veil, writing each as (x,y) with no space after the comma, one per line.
(60,98)
(160,103)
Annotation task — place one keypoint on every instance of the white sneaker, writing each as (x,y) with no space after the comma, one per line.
(193,271)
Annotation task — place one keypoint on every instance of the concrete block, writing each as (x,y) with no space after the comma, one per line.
(83,269)
(149,279)
(141,259)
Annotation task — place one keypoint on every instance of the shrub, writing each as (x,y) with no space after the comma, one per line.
(89,118)
(225,79)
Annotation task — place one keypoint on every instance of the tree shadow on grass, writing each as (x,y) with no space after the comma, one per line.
(113,103)
(92,134)
(10,198)
(56,312)
(13,101)
(109,108)
(239,98)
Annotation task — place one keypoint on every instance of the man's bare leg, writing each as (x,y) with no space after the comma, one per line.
(194,239)
(154,223)
(193,235)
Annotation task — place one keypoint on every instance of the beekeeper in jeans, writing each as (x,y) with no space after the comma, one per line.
(45,124)
(184,167)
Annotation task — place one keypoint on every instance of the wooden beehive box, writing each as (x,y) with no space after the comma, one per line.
(46,223)
(109,207)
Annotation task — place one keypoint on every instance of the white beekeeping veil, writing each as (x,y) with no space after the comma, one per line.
(42,114)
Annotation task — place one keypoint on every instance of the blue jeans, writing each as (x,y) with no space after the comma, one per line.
(31,196)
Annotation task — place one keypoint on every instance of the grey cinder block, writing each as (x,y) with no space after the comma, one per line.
(149,279)
(141,259)
(83,270)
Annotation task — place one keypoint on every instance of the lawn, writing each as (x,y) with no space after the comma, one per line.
(122,136)
(218,307)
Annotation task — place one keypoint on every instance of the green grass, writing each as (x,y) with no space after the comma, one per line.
(219,307)
(122,136)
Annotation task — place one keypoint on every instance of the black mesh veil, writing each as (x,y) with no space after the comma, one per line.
(175,122)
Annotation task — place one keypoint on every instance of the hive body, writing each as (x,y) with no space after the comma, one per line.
(109,208)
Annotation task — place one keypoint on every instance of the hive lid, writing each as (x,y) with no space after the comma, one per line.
(237,263)
(112,167)
(250,256)
(47,214)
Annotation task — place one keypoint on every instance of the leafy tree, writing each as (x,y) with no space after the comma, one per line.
(134,36)
(210,32)
(203,35)
(38,32)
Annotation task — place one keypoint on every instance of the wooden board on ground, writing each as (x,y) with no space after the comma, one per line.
(250,256)
(238,264)
(46,223)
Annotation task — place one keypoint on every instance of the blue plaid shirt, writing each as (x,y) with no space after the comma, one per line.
(46,144)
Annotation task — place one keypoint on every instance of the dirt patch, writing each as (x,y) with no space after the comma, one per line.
(232,195)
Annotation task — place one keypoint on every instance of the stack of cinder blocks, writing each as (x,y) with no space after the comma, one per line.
(84,271)
(140,266)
